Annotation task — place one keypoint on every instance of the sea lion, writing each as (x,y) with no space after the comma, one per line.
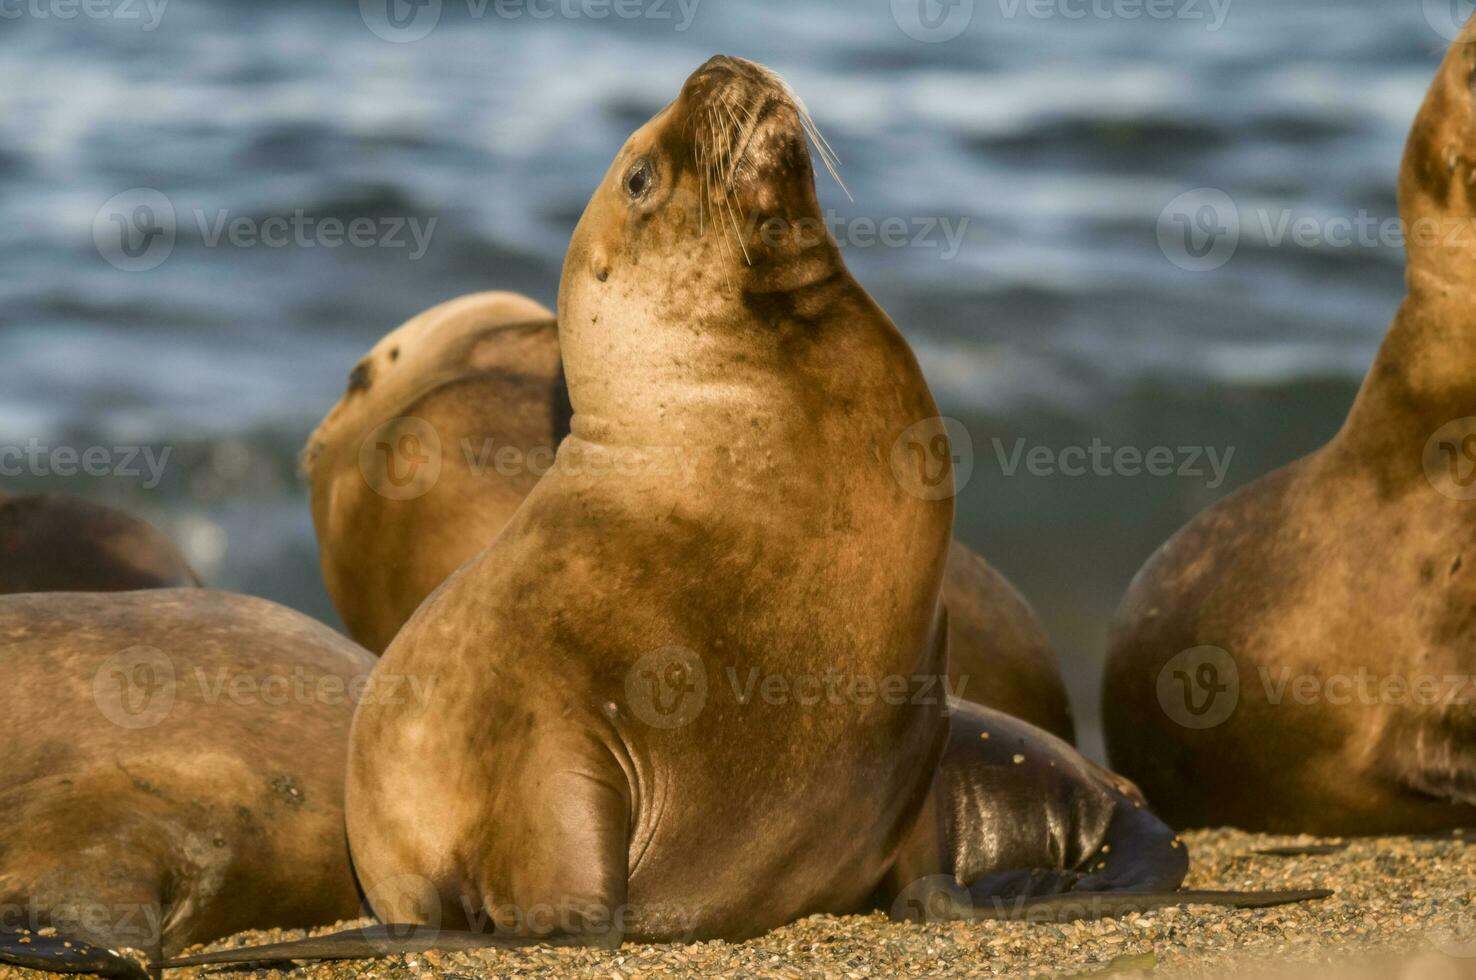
(1299,657)
(725,500)
(626,737)
(407,476)
(681,709)
(61,544)
(480,377)
(172,774)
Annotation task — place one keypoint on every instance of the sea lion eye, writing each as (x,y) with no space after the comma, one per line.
(638,180)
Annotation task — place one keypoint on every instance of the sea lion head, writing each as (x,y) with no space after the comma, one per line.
(705,230)
(1437,181)
(719,181)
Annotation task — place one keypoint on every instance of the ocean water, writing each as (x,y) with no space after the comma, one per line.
(1059,291)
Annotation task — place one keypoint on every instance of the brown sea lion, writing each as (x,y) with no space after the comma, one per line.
(689,692)
(1299,657)
(62,544)
(409,471)
(483,374)
(172,773)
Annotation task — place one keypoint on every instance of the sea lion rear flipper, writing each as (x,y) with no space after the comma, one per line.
(58,954)
(1072,906)
(370,942)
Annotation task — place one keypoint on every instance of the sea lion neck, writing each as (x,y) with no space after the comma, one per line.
(1425,373)
(712,370)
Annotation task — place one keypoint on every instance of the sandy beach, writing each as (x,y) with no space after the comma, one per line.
(1403,909)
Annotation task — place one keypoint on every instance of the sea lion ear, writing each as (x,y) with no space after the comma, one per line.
(1437,181)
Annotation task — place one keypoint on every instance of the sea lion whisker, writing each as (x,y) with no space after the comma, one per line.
(722,238)
(731,184)
(827,154)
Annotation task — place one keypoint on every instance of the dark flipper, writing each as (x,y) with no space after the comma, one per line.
(1072,906)
(58,954)
(371,942)
(1308,850)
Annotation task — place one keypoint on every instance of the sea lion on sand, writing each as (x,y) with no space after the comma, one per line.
(482,380)
(172,774)
(61,544)
(626,737)
(725,498)
(1299,657)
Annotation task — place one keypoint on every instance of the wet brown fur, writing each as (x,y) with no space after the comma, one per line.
(223,813)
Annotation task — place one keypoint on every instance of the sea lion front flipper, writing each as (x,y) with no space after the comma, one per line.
(369,942)
(58,954)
